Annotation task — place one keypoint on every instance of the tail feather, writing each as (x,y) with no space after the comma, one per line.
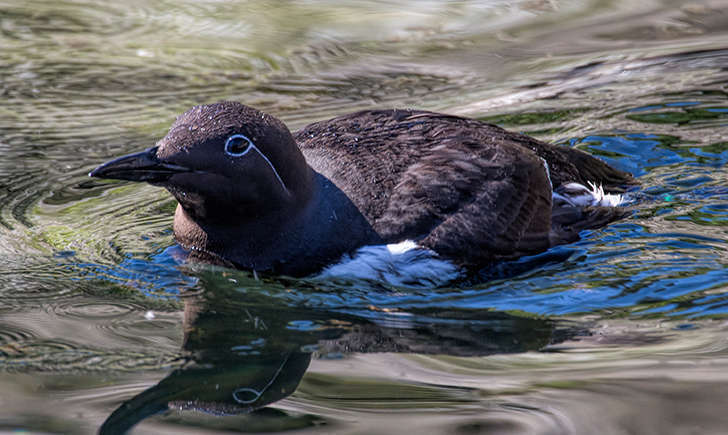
(567,221)
(572,165)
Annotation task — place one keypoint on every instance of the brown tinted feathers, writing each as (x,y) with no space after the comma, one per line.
(464,188)
(476,210)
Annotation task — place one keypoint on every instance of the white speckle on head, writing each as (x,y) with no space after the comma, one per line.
(578,195)
(401,264)
(149,315)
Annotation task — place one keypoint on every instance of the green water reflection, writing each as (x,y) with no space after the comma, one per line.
(621,332)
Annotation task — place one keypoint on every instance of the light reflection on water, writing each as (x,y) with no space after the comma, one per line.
(619,332)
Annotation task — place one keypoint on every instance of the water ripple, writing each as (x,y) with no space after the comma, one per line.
(91,285)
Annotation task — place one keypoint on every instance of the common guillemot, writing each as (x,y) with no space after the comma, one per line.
(252,195)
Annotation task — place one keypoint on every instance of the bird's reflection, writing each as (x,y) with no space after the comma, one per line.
(246,349)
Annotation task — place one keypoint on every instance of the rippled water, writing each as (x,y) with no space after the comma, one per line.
(621,332)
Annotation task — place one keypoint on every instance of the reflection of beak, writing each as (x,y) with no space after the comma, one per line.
(143,166)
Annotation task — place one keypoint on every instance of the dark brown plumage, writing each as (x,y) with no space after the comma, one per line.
(470,191)
(461,187)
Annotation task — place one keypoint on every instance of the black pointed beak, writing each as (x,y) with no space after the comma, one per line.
(143,166)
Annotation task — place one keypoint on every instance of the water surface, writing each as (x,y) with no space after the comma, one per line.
(621,332)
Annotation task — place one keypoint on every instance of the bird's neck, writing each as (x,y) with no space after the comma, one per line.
(295,241)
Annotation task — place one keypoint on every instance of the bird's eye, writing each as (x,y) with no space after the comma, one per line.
(237,145)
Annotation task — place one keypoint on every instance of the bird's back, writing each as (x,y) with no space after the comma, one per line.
(460,186)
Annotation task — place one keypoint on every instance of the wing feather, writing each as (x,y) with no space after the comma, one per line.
(461,204)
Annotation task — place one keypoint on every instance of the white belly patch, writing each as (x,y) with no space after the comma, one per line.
(401,264)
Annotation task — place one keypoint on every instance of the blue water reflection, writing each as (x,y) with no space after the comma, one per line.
(638,264)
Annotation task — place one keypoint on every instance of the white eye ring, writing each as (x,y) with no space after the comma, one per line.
(230,145)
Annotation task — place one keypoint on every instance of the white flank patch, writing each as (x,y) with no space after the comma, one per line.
(401,264)
(579,195)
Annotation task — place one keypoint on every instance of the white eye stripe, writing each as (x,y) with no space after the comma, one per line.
(251,146)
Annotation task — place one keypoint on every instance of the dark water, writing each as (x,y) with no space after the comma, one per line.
(620,333)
